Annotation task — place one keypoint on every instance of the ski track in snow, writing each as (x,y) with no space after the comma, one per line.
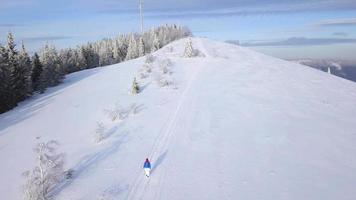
(141,187)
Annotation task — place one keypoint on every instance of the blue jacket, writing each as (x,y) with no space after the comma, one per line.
(147,165)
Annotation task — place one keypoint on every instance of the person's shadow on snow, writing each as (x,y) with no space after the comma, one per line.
(159,161)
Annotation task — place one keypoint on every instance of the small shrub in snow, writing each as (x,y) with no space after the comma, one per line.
(142,75)
(162,81)
(69,174)
(117,113)
(164,66)
(189,50)
(150,59)
(135,89)
(164,69)
(99,134)
(147,68)
(47,174)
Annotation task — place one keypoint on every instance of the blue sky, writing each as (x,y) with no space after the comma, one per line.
(286,29)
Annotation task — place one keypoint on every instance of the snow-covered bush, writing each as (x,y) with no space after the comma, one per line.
(69,174)
(99,134)
(162,81)
(150,59)
(147,68)
(164,66)
(116,113)
(189,50)
(142,75)
(46,175)
(135,89)
(119,113)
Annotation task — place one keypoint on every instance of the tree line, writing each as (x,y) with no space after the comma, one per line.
(22,75)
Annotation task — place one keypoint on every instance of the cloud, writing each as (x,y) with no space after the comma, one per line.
(338,22)
(46,38)
(301,41)
(175,8)
(203,8)
(343,34)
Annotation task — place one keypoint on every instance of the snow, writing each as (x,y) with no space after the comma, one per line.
(232,124)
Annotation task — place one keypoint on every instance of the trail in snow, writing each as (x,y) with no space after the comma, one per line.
(142,187)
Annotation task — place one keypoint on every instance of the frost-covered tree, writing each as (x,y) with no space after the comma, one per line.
(132,50)
(36,71)
(155,43)
(79,58)
(52,73)
(189,51)
(6,101)
(135,89)
(68,58)
(13,65)
(106,55)
(23,77)
(46,175)
(141,47)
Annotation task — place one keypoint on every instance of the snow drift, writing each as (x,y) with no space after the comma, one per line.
(228,123)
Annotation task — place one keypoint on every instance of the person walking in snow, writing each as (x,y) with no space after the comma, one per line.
(147,167)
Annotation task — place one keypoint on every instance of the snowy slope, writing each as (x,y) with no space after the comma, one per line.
(234,124)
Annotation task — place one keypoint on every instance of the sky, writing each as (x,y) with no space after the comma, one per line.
(322,29)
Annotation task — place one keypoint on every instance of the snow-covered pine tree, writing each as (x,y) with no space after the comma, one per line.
(37,69)
(189,51)
(132,50)
(135,89)
(5,81)
(79,59)
(52,73)
(13,64)
(141,47)
(116,52)
(46,175)
(106,52)
(25,66)
(156,43)
(120,48)
(68,59)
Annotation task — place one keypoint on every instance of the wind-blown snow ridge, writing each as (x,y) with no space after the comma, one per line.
(230,124)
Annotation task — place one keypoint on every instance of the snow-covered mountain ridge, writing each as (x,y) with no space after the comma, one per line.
(228,124)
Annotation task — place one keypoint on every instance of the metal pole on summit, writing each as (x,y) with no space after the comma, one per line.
(141,14)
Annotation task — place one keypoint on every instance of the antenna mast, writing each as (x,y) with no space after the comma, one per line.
(141,15)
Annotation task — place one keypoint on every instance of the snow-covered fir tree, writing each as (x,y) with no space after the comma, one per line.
(189,50)
(46,175)
(52,73)
(25,77)
(6,101)
(36,71)
(106,53)
(132,50)
(13,65)
(141,47)
(155,44)
(135,89)
(68,59)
